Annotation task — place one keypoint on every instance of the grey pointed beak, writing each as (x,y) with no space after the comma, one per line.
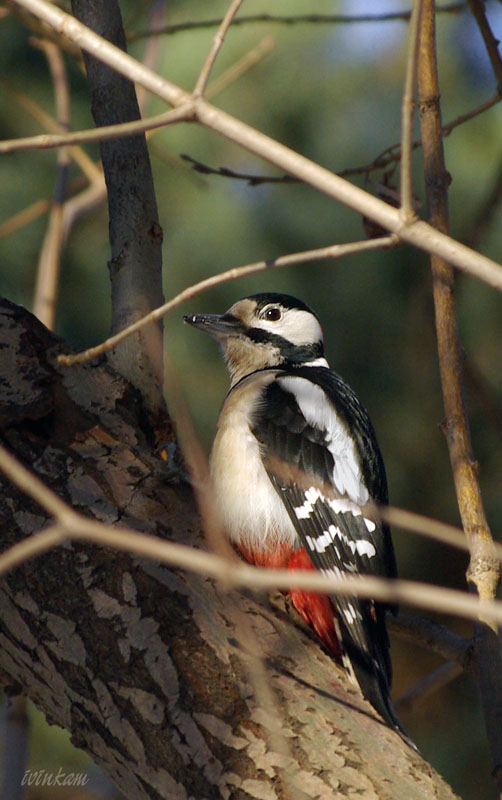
(217,325)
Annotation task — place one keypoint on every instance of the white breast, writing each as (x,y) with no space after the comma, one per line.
(253,513)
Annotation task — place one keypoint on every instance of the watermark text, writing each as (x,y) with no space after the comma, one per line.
(42,777)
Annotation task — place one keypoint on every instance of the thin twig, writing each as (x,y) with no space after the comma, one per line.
(46,287)
(426,526)
(215,48)
(316,19)
(224,172)
(491,43)
(86,164)
(210,565)
(407,114)
(475,112)
(180,114)
(433,636)
(322,253)
(233,73)
(484,217)
(46,141)
(428,686)
(419,233)
(24,217)
(392,154)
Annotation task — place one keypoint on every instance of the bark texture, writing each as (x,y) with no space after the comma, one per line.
(149,667)
(135,232)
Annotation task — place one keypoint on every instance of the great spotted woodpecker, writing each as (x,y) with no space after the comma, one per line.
(294,461)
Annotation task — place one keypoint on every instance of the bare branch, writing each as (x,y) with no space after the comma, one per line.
(491,43)
(432,635)
(46,288)
(431,684)
(322,253)
(249,60)
(475,112)
(134,230)
(297,19)
(439,531)
(484,217)
(450,359)
(86,164)
(418,233)
(224,172)
(45,141)
(392,154)
(407,114)
(215,48)
(74,526)
(484,570)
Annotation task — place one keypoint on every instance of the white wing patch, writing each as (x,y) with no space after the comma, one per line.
(351,614)
(325,540)
(311,496)
(340,505)
(319,412)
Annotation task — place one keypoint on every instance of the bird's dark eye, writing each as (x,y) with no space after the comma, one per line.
(272,314)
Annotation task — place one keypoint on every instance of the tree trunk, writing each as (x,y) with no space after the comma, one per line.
(135,232)
(151,668)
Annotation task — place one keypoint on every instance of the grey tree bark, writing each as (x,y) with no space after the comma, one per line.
(150,668)
(135,232)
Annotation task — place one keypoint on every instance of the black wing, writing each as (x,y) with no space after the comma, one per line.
(320,452)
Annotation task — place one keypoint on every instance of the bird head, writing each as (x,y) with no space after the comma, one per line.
(265,330)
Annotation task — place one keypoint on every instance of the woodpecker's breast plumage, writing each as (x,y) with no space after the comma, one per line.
(256,517)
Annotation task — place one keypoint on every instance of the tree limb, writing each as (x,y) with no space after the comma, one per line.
(138,661)
(135,232)
(483,573)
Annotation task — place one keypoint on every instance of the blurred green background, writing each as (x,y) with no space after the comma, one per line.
(333,93)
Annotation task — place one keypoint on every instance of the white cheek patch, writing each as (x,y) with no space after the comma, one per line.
(297,326)
(319,413)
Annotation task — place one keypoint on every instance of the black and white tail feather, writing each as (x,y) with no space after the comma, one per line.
(314,440)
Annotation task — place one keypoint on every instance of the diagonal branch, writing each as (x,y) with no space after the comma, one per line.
(43,141)
(321,253)
(200,86)
(71,525)
(491,43)
(419,234)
